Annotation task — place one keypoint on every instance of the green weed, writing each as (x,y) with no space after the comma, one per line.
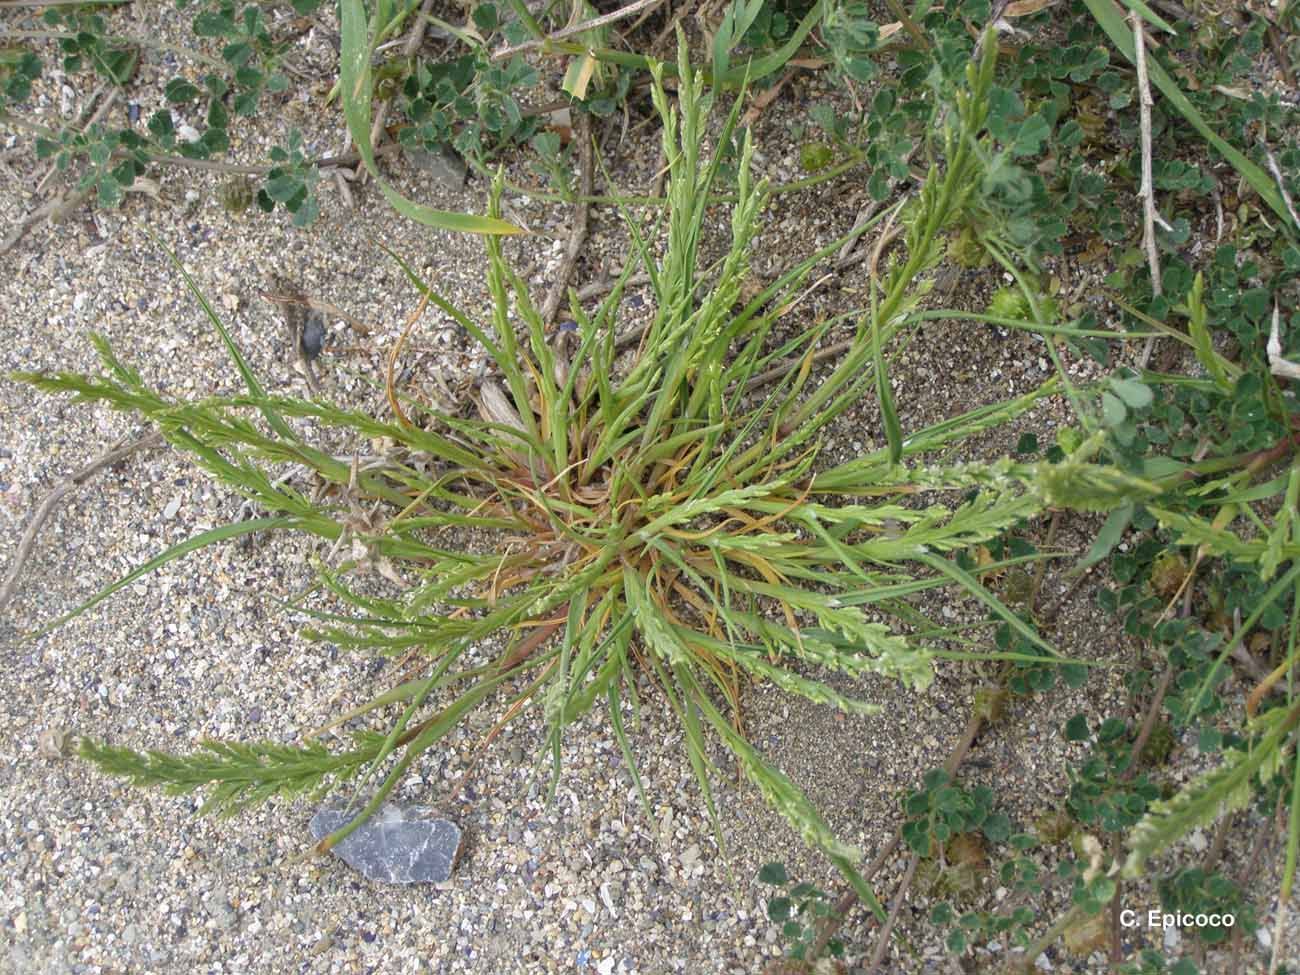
(667,516)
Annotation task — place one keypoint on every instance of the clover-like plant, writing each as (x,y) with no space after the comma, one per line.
(663,512)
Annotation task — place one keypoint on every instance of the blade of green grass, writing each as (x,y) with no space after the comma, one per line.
(246,373)
(1109,536)
(972,585)
(355,90)
(212,537)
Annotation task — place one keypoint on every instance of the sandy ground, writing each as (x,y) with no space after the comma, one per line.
(104,878)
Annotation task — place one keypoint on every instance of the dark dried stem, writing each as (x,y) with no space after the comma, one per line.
(839,914)
(1280,55)
(1041,571)
(107,459)
(413,42)
(1148,724)
(578,234)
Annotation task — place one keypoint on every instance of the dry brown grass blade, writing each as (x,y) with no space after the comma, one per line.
(118,453)
(393,404)
(545,629)
(1263,687)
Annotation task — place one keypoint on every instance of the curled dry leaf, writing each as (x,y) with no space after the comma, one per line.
(494,407)
(54,743)
(149,187)
(1284,368)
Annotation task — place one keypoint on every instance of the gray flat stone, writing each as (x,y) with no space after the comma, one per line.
(444,165)
(398,845)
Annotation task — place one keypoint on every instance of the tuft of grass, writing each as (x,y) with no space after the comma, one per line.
(662,514)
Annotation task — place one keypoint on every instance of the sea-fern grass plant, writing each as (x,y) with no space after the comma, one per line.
(666,514)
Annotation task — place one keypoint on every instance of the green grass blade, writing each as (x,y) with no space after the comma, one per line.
(245,371)
(1207,797)
(615,698)
(759,68)
(355,89)
(435,729)
(212,537)
(885,395)
(972,585)
(1109,536)
(1247,626)
(1198,328)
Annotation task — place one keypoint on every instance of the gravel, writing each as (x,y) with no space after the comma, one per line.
(101,877)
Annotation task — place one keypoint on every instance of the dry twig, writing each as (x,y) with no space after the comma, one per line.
(1280,55)
(345,161)
(865,214)
(53,210)
(882,940)
(586,25)
(845,904)
(765,98)
(87,120)
(413,42)
(293,304)
(670,28)
(1281,185)
(107,459)
(1277,365)
(58,208)
(283,297)
(598,288)
(1146,190)
(578,235)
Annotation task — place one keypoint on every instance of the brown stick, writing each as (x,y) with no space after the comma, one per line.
(860,221)
(586,25)
(578,235)
(1049,615)
(839,914)
(324,307)
(87,119)
(1281,186)
(1148,724)
(1146,191)
(922,39)
(347,160)
(119,452)
(598,288)
(882,940)
(671,26)
(1280,55)
(764,99)
(413,42)
(845,904)
(1041,571)
(1135,755)
(60,207)
(47,209)
(783,367)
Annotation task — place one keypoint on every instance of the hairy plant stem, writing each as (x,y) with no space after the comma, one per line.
(149,42)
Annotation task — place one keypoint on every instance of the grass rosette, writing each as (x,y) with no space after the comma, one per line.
(664,514)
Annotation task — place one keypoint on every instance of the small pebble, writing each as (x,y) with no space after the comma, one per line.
(313,336)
